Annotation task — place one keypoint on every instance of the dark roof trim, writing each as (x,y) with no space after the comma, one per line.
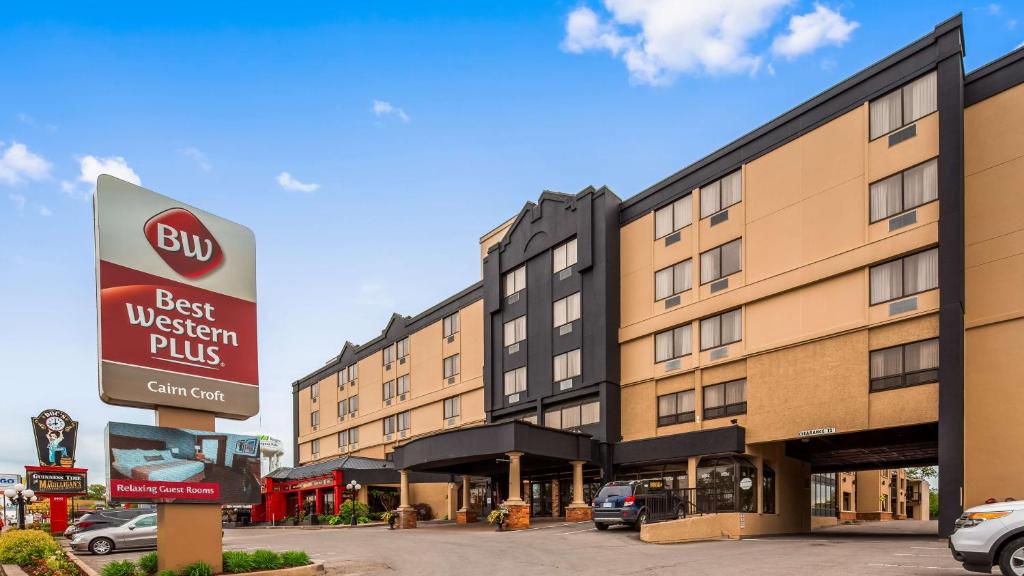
(995,77)
(874,80)
(398,327)
(532,209)
(679,446)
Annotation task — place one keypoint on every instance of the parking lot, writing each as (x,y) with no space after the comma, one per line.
(892,548)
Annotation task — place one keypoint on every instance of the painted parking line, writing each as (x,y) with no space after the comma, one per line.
(917,566)
(578,531)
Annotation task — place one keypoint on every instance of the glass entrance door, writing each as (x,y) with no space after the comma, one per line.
(540,498)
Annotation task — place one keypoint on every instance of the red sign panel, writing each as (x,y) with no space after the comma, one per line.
(150,490)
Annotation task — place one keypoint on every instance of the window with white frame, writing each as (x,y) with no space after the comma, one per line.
(515,330)
(403,348)
(721,329)
(451,365)
(342,408)
(675,216)
(389,425)
(388,389)
(451,324)
(904,106)
(673,280)
(564,256)
(676,408)
(314,446)
(314,390)
(353,435)
(566,310)
(404,420)
(451,407)
(725,399)
(905,276)
(674,343)
(515,280)
(721,194)
(314,418)
(389,354)
(353,404)
(567,365)
(343,439)
(905,191)
(573,416)
(515,381)
(402,383)
(721,261)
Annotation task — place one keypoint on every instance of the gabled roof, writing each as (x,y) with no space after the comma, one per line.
(531,208)
(328,466)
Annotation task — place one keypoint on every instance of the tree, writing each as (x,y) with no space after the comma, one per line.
(923,473)
(96,492)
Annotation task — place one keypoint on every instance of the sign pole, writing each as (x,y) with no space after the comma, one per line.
(187,533)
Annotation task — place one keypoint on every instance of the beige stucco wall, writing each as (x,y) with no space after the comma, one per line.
(994,245)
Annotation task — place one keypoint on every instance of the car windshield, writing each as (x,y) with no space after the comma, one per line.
(615,491)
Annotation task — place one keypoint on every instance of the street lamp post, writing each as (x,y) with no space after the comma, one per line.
(20,496)
(354,487)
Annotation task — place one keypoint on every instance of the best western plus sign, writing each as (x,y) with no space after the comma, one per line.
(177,298)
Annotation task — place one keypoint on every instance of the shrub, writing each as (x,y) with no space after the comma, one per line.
(58,565)
(265,560)
(293,558)
(120,568)
(235,562)
(26,547)
(345,511)
(147,563)
(197,569)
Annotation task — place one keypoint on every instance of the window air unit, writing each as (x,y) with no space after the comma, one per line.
(565,329)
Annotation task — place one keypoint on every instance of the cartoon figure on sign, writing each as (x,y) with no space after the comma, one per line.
(55,434)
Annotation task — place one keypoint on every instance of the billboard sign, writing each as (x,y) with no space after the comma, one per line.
(177,304)
(56,437)
(157,464)
(47,482)
(9,481)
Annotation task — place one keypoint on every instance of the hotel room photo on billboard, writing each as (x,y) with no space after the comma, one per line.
(157,464)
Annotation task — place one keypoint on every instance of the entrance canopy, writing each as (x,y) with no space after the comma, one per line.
(902,447)
(481,450)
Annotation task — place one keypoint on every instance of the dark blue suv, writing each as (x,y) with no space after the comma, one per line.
(635,503)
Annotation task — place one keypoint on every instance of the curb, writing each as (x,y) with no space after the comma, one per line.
(80,563)
(322,527)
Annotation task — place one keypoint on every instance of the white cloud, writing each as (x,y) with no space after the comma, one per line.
(44,211)
(18,164)
(383,108)
(19,201)
(658,39)
(808,32)
(994,9)
(90,168)
(290,183)
(196,156)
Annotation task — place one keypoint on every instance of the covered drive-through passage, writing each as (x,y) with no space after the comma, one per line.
(509,454)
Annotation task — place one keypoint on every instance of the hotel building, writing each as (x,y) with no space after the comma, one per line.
(839,290)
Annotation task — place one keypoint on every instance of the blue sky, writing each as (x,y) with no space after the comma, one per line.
(369,145)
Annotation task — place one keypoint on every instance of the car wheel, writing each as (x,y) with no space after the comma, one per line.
(1011,559)
(601,526)
(641,519)
(101,546)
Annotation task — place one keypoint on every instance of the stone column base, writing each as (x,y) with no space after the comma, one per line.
(518,516)
(465,517)
(406,518)
(579,513)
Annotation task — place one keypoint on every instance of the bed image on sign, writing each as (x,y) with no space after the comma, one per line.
(157,465)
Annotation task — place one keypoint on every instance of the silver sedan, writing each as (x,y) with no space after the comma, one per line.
(140,532)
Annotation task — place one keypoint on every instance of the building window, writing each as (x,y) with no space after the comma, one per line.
(451,407)
(720,194)
(675,216)
(721,261)
(515,280)
(402,383)
(349,373)
(353,404)
(566,310)
(389,425)
(515,381)
(905,276)
(389,390)
(564,256)
(905,191)
(342,408)
(314,390)
(725,399)
(314,418)
(389,354)
(567,365)
(674,343)
(574,416)
(673,280)
(451,366)
(721,330)
(515,330)
(451,324)
(343,439)
(314,447)
(903,106)
(768,488)
(823,495)
(404,420)
(905,365)
(403,348)
(676,408)
(353,435)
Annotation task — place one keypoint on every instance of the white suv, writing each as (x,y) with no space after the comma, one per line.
(988,535)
